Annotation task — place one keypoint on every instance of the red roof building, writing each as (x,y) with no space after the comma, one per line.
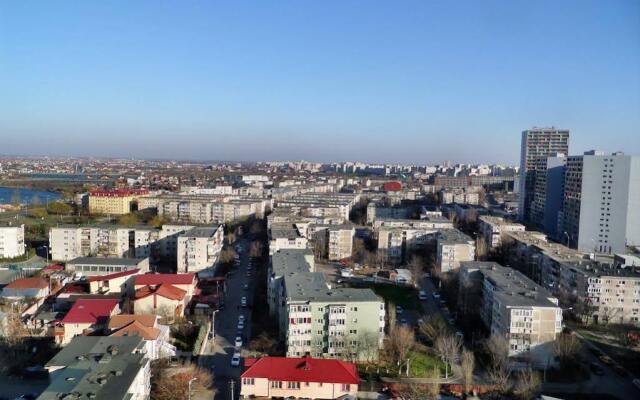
(90,311)
(26,287)
(159,279)
(392,186)
(119,193)
(167,291)
(305,377)
(28,283)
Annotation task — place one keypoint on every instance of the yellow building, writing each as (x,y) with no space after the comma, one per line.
(114,202)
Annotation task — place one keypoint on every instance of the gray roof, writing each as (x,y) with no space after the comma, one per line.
(105,261)
(290,261)
(286,231)
(453,236)
(95,367)
(201,232)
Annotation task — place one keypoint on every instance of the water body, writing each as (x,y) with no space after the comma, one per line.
(26,196)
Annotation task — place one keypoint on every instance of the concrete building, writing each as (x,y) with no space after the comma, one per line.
(601,209)
(199,249)
(452,248)
(99,367)
(318,320)
(286,236)
(11,241)
(548,193)
(512,306)
(95,266)
(299,377)
(491,229)
(114,202)
(433,222)
(469,195)
(537,143)
(70,241)
(397,244)
(26,288)
(334,241)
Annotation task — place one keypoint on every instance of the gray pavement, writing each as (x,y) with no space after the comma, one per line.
(220,349)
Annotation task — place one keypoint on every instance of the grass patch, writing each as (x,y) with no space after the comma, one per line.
(422,364)
(405,297)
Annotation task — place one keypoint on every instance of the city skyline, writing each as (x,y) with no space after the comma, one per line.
(330,82)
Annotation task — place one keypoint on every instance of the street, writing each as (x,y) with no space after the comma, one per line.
(220,349)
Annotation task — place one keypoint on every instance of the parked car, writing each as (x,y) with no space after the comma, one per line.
(238,342)
(243,301)
(422,295)
(235,360)
(436,295)
(606,359)
(240,325)
(618,369)
(399,310)
(596,369)
(245,286)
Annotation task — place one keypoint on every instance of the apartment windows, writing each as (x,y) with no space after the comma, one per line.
(345,387)
(276,384)
(248,381)
(293,385)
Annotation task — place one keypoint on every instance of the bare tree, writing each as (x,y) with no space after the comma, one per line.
(256,249)
(433,327)
(433,389)
(416,266)
(528,384)
(467,364)
(173,383)
(567,347)
(448,347)
(497,347)
(399,343)
(227,255)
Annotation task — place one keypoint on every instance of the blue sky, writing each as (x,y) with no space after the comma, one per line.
(406,81)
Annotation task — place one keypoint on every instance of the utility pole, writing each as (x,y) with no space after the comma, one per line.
(232,383)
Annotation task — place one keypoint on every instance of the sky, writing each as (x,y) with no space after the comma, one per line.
(395,81)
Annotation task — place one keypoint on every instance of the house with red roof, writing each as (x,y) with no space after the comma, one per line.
(305,377)
(119,282)
(87,316)
(163,299)
(35,287)
(155,335)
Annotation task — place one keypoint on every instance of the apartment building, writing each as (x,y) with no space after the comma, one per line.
(452,248)
(11,241)
(428,222)
(114,202)
(99,367)
(469,195)
(336,205)
(318,320)
(491,228)
(286,236)
(377,210)
(198,249)
(601,206)
(335,242)
(602,288)
(537,143)
(396,244)
(71,241)
(548,193)
(512,306)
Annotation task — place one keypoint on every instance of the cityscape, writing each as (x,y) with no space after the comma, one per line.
(168,245)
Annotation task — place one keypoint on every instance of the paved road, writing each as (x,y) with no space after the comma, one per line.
(218,352)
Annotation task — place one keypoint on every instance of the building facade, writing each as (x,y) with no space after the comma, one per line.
(11,241)
(199,249)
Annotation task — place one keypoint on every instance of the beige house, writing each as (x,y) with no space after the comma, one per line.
(165,299)
(305,377)
(87,316)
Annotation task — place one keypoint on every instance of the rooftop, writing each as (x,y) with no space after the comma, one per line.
(28,283)
(200,232)
(159,279)
(106,261)
(305,369)
(284,231)
(90,311)
(453,236)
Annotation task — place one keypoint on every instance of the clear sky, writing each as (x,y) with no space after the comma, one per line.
(407,81)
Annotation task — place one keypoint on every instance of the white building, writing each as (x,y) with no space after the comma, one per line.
(452,248)
(491,228)
(11,241)
(199,249)
(286,236)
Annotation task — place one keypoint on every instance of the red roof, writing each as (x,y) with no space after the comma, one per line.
(159,279)
(54,267)
(168,291)
(100,278)
(89,310)
(118,193)
(28,283)
(392,186)
(305,369)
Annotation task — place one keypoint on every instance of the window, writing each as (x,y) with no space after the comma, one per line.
(293,385)
(248,381)
(345,387)
(276,384)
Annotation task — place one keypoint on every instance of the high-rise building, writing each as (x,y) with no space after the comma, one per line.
(548,193)
(601,207)
(537,143)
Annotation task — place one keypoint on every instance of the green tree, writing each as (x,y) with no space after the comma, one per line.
(15,198)
(129,219)
(60,208)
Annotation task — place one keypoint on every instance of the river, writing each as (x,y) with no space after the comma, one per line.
(26,196)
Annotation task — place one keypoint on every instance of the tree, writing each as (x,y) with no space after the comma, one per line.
(173,383)
(400,341)
(256,249)
(433,327)
(448,347)
(528,384)
(227,255)
(60,208)
(128,219)
(467,365)
(264,344)
(416,266)
(497,348)
(567,347)
(359,250)
(15,198)
(157,221)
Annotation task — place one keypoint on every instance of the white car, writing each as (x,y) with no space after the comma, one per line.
(436,295)
(235,360)
(422,295)
(240,325)
(243,301)
(241,317)
(399,310)
(238,342)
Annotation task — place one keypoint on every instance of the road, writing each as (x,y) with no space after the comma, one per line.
(220,349)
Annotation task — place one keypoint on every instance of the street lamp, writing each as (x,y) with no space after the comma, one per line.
(191,380)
